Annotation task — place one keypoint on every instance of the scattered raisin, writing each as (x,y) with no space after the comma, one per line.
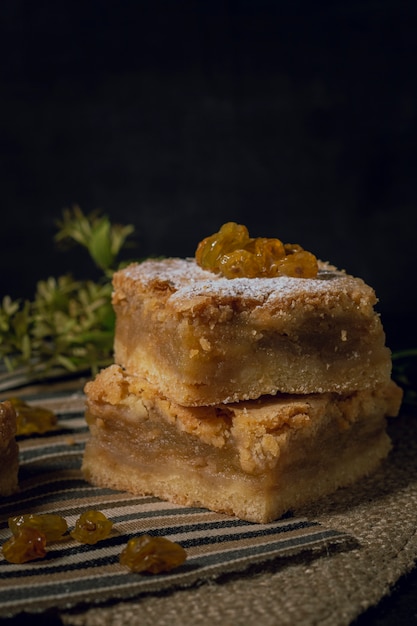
(27,545)
(32,532)
(52,526)
(152,554)
(91,527)
(32,419)
(232,253)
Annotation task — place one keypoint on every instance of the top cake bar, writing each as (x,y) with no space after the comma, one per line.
(203,339)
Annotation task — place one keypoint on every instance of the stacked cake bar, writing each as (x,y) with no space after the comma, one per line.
(248,396)
(9,451)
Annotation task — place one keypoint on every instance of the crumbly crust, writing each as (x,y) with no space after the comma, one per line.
(9,451)
(204,339)
(254,459)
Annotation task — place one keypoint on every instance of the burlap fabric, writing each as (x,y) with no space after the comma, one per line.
(327,589)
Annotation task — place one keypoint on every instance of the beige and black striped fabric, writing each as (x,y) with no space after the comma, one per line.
(73,574)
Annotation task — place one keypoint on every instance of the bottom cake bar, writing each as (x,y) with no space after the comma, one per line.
(255,460)
(9,450)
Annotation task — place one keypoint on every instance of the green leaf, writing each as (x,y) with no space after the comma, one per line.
(100,245)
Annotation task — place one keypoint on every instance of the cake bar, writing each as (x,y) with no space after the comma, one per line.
(254,459)
(9,451)
(203,339)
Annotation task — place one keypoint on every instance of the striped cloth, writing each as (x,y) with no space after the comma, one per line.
(72,574)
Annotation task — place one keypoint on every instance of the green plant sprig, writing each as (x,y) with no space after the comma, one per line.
(102,239)
(69,324)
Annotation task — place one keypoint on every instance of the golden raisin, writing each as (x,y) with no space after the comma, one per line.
(92,526)
(32,419)
(233,254)
(238,263)
(27,545)
(230,237)
(52,526)
(152,554)
(268,252)
(300,264)
(290,248)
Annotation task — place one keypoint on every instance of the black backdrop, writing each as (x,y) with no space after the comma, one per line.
(295,118)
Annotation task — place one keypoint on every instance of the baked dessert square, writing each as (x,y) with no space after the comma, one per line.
(9,450)
(255,459)
(203,339)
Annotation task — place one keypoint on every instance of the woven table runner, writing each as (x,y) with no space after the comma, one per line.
(73,574)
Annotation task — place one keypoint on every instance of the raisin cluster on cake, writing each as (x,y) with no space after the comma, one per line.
(249,380)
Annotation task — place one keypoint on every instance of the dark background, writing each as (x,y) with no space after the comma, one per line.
(297,119)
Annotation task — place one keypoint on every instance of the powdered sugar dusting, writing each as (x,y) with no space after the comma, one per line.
(187,281)
(173,270)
